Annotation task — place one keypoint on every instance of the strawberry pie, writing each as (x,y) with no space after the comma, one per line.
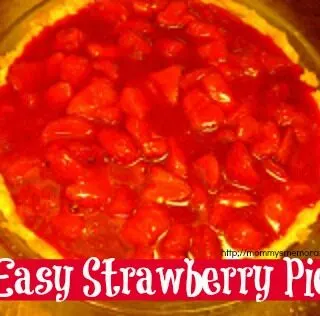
(157,129)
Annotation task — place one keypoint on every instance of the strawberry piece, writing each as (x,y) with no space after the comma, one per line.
(176,162)
(214,52)
(173,17)
(204,116)
(235,199)
(53,66)
(269,142)
(202,30)
(67,128)
(134,103)
(89,194)
(111,115)
(278,211)
(286,115)
(97,96)
(96,50)
(220,216)
(275,171)
(170,48)
(134,45)
(69,226)
(166,188)
(207,168)
(225,136)
(146,226)
(300,192)
(148,7)
(119,145)
(31,101)
(75,69)
(58,95)
(286,146)
(112,12)
(109,69)
(123,203)
(69,40)
(20,79)
(239,166)
(153,146)
(139,26)
(176,242)
(248,129)
(205,244)
(242,235)
(63,165)
(279,92)
(86,153)
(219,91)
(192,78)
(18,170)
(200,202)
(167,81)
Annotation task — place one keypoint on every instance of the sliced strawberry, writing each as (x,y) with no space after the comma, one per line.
(111,115)
(204,116)
(119,145)
(98,95)
(239,166)
(176,162)
(235,199)
(134,45)
(192,78)
(286,146)
(139,26)
(112,12)
(205,244)
(301,192)
(277,210)
(108,68)
(220,216)
(279,92)
(148,7)
(173,17)
(146,226)
(275,171)
(75,69)
(53,66)
(85,153)
(89,194)
(21,80)
(63,165)
(269,141)
(123,203)
(207,168)
(214,52)
(69,40)
(67,128)
(166,188)
(168,80)
(203,30)
(134,103)
(242,235)
(155,149)
(170,48)
(219,91)
(176,242)
(18,170)
(286,115)
(31,101)
(248,129)
(96,50)
(200,201)
(139,130)
(58,95)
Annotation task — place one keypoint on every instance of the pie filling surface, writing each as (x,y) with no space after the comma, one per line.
(142,129)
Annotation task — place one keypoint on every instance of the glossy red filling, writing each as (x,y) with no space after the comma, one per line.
(142,127)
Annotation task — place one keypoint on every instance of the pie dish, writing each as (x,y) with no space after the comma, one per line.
(157,130)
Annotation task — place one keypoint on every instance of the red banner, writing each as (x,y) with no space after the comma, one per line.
(160,280)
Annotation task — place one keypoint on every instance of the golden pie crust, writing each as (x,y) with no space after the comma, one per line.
(297,233)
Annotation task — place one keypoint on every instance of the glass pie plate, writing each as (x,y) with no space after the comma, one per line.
(15,247)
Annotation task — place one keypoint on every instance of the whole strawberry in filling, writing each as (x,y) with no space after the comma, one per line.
(157,129)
